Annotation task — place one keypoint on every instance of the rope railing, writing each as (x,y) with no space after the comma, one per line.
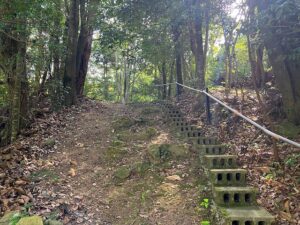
(264,129)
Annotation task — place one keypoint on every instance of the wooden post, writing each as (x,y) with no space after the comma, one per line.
(208,108)
(177,92)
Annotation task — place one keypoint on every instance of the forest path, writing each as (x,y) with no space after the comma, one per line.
(101,172)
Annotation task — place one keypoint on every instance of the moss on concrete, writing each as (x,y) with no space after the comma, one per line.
(31,220)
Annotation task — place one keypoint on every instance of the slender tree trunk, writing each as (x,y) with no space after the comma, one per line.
(207,22)
(253,72)
(84,45)
(199,43)
(70,67)
(178,52)
(171,79)
(164,78)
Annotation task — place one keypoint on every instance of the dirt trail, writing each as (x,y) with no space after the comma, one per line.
(82,182)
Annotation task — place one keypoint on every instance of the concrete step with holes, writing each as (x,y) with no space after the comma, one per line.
(196,132)
(171,116)
(180,124)
(220,161)
(211,149)
(235,196)
(196,141)
(177,120)
(228,177)
(173,112)
(187,128)
(252,215)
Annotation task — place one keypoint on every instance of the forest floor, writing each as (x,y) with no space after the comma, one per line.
(90,166)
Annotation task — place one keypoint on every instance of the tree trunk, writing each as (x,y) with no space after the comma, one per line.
(84,45)
(199,42)
(178,50)
(70,67)
(207,21)
(164,78)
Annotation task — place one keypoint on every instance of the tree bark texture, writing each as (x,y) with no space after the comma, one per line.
(70,67)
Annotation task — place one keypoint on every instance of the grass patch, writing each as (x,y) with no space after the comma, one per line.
(44,174)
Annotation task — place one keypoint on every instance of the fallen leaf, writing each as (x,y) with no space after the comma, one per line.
(174,178)
(73,163)
(21,182)
(72,172)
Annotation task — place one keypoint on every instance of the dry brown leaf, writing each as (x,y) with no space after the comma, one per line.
(286,216)
(287,205)
(20,190)
(20,182)
(72,172)
(73,163)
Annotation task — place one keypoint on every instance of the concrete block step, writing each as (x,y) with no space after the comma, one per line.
(177,120)
(203,141)
(180,124)
(175,116)
(196,132)
(235,196)
(220,161)
(187,128)
(211,149)
(252,215)
(173,112)
(228,177)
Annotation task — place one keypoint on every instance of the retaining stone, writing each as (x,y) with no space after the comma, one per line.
(247,216)
(235,196)
(228,177)
(211,149)
(220,161)
(204,141)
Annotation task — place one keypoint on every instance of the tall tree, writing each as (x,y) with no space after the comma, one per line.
(279,24)
(71,57)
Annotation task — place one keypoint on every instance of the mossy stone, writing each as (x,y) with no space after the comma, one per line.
(122,173)
(5,220)
(114,153)
(54,222)
(31,220)
(141,168)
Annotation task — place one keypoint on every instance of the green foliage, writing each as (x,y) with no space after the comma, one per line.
(23,213)
(205,203)
(293,160)
(205,222)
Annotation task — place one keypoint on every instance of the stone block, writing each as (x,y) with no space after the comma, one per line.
(220,161)
(247,216)
(31,220)
(228,177)
(204,141)
(235,196)
(211,149)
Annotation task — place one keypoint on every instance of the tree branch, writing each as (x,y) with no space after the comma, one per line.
(12,37)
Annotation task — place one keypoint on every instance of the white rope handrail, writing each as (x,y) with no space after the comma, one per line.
(264,129)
